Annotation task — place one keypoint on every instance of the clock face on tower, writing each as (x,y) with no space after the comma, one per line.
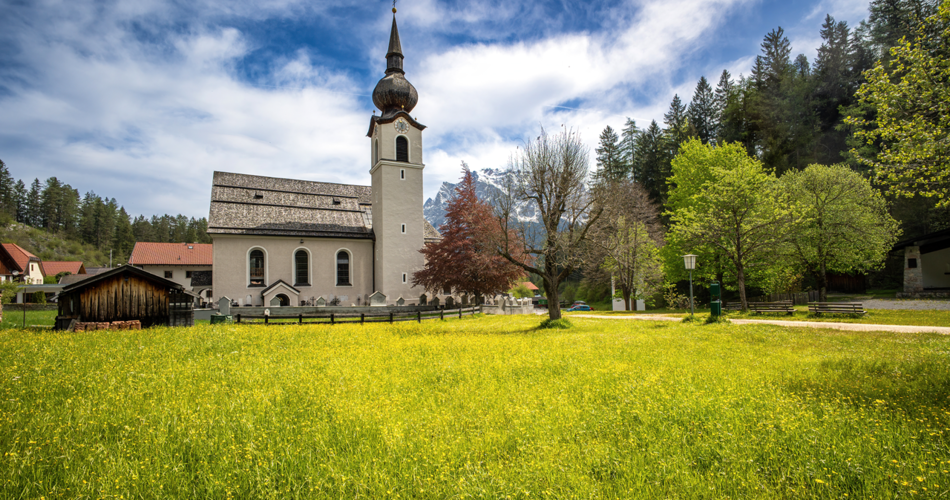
(402,126)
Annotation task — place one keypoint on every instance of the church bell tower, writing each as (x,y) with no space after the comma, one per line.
(396,167)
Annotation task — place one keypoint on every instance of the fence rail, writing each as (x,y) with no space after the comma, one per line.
(799,299)
(334,318)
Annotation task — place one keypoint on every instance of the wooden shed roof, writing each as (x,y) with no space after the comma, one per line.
(125,268)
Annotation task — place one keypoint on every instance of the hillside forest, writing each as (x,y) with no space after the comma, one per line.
(67,226)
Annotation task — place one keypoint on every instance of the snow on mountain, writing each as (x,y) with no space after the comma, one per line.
(488,184)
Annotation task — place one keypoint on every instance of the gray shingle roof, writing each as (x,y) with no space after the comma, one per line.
(256,205)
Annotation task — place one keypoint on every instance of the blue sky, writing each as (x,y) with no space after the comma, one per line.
(142,100)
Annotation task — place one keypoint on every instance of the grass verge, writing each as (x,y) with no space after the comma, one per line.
(483,407)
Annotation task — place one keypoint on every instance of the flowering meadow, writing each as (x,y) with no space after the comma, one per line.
(484,407)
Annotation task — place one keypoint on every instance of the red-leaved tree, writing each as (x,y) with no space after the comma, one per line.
(465,260)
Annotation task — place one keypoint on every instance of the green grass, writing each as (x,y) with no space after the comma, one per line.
(487,407)
(873,316)
(13,318)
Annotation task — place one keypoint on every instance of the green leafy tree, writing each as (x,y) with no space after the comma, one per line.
(909,96)
(740,214)
(842,223)
(521,292)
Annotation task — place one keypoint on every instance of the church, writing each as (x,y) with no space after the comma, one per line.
(291,242)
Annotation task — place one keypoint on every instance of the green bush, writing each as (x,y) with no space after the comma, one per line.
(559,324)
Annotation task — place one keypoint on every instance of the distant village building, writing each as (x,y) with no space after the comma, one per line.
(53,268)
(288,242)
(926,265)
(188,264)
(16,264)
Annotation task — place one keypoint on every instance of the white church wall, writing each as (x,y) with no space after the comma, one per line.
(230,266)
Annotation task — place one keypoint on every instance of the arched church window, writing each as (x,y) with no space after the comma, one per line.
(342,268)
(256,268)
(402,149)
(301,268)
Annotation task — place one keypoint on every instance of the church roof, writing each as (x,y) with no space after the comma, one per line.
(269,206)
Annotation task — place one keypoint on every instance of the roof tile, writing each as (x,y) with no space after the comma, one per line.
(171,254)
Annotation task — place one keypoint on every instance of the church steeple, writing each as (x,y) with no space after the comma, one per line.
(394,93)
(394,55)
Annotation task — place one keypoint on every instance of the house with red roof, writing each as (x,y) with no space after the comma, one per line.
(16,264)
(188,264)
(52,268)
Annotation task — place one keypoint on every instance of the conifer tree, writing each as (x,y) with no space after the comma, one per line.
(20,196)
(628,145)
(677,123)
(33,214)
(702,112)
(609,163)
(652,167)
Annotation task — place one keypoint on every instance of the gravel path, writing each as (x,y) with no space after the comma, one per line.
(906,304)
(856,327)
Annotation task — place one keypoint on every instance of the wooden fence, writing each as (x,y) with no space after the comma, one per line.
(799,299)
(361,318)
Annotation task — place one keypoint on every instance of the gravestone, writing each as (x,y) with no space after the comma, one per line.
(224,306)
(377,299)
(435,301)
(321,302)
(400,301)
(449,302)
(275,302)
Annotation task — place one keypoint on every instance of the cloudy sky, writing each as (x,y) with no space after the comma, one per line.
(142,100)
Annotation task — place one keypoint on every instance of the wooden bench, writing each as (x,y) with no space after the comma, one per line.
(784,306)
(836,308)
(762,307)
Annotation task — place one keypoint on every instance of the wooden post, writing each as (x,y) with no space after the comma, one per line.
(460,312)
(300,318)
(362,318)
(239,317)
(332,320)
(442,314)
(390,317)
(419,316)
(266,316)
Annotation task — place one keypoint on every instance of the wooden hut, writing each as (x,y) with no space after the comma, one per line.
(126,293)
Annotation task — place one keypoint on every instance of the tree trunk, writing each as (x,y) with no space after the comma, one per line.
(633,300)
(823,283)
(740,282)
(626,298)
(554,297)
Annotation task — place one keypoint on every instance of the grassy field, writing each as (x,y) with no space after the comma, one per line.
(13,318)
(475,408)
(873,316)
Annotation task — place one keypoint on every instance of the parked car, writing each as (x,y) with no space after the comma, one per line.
(580,307)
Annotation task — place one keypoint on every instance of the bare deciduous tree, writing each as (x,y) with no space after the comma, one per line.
(624,244)
(550,173)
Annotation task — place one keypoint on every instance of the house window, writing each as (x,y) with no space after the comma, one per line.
(168,275)
(302,268)
(403,229)
(402,149)
(342,268)
(256,268)
(402,174)
(188,274)
(912,263)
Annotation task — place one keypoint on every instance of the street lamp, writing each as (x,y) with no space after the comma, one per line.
(690,261)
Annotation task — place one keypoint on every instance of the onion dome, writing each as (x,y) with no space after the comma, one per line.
(394,93)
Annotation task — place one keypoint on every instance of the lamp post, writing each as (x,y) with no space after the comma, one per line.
(690,261)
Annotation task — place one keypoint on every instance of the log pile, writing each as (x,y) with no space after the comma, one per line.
(115,325)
